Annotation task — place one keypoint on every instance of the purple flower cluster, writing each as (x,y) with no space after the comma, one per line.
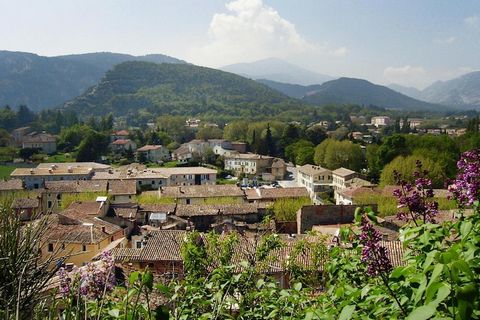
(373,254)
(65,282)
(91,280)
(413,199)
(466,187)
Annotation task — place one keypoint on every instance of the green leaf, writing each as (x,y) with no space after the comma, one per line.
(114,313)
(162,288)
(465,228)
(133,277)
(437,270)
(260,283)
(347,312)
(297,286)
(423,312)
(358,214)
(147,279)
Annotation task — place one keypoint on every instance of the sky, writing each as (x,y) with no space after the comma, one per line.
(408,42)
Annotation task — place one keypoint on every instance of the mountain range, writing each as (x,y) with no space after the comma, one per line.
(277,70)
(42,82)
(133,88)
(463,91)
(363,92)
(85,79)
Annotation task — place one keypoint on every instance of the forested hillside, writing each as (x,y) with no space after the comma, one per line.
(180,89)
(43,82)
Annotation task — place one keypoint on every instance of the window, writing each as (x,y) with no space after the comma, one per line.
(84,248)
(153,182)
(187,201)
(138,244)
(140,182)
(49,204)
(50,247)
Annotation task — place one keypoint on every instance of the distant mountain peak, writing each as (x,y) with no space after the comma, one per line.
(278,70)
(359,91)
(463,91)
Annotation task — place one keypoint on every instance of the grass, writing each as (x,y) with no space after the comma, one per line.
(170,164)
(153,198)
(5,171)
(387,205)
(61,157)
(226,181)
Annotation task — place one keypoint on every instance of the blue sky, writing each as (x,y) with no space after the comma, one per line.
(408,42)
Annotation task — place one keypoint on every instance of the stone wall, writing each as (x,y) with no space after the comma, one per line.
(308,216)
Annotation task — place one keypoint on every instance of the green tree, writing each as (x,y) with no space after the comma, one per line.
(391,147)
(92,146)
(344,154)
(407,165)
(70,137)
(320,151)
(27,153)
(236,131)
(209,132)
(315,134)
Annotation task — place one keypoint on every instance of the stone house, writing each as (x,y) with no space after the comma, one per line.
(43,141)
(153,153)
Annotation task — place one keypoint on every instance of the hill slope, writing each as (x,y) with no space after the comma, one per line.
(133,87)
(42,82)
(292,90)
(408,91)
(463,91)
(358,91)
(277,70)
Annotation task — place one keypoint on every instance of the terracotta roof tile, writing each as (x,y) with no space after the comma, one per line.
(122,187)
(186,210)
(204,191)
(76,186)
(11,185)
(25,203)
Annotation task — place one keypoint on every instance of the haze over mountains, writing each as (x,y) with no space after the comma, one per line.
(47,82)
(277,70)
(358,91)
(42,82)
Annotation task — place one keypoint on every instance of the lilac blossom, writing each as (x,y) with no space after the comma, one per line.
(374,255)
(413,198)
(91,280)
(65,282)
(466,187)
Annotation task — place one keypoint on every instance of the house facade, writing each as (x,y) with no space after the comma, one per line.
(43,141)
(248,163)
(315,179)
(34,178)
(153,153)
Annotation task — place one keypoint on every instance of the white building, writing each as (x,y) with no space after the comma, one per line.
(248,163)
(314,178)
(34,178)
(380,121)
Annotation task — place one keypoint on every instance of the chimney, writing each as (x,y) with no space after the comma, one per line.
(103,230)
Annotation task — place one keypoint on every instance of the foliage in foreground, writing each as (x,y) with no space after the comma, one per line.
(438,278)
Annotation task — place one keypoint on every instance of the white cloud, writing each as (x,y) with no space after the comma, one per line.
(251,30)
(448,40)
(405,75)
(403,71)
(473,21)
